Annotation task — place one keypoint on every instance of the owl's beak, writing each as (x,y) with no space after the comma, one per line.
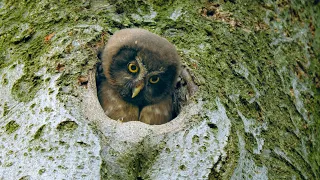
(137,89)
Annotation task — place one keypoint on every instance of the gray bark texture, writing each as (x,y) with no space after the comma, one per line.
(256,114)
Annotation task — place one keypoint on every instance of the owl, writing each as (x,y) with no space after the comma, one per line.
(141,70)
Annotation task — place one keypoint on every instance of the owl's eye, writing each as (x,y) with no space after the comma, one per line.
(133,68)
(154,79)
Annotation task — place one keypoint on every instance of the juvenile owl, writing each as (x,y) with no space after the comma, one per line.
(141,70)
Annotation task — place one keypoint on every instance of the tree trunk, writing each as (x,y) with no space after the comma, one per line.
(255,116)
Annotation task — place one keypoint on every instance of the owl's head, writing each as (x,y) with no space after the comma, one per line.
(141,66)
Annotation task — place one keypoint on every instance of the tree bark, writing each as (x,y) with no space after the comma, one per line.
(255,115)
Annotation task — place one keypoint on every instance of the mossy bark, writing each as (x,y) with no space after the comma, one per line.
(256,64)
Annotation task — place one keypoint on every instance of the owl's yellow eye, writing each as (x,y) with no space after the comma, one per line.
(133,68)
(154,79)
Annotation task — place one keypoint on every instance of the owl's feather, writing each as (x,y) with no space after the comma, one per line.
(157,113)
(114,106)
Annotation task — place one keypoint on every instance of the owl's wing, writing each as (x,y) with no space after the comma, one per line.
(114,107)
(157,113)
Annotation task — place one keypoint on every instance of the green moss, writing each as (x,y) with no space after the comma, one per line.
(104,170)
(4,80)
(62,143)
(5,109)
(167,150)
(25,33)
(25,178)
(83,144)
(32,105)
(11,127)
(37,148)
(26,88)
(48,110)
(67,125)
(51,91)
(9,152)
(41,171)
(80,166)
(26,40)
(182,167)
(7,164)
(132,160)
(195,139)
(62,167)
(39,132)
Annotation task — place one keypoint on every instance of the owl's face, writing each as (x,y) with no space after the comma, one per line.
(141,66)
(141,77)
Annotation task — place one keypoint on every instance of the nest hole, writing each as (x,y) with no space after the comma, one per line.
(184,89)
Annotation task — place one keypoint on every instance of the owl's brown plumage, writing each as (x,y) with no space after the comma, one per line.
(141,70)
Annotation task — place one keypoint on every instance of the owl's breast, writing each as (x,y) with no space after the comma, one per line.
(138,100)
